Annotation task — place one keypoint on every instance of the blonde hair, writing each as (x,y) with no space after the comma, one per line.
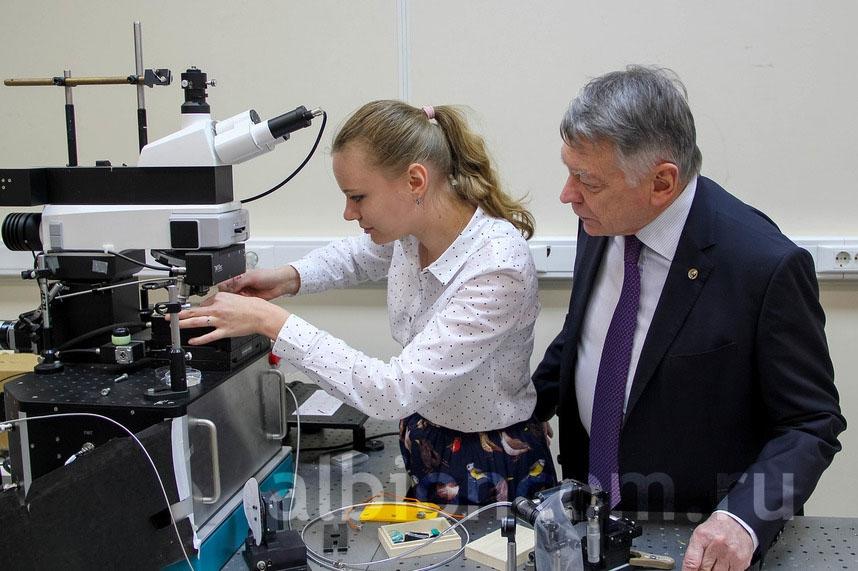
(396,135)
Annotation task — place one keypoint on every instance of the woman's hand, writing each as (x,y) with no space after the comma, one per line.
(233,316)
(265,284)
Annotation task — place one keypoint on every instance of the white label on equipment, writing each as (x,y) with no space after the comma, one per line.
(320,403)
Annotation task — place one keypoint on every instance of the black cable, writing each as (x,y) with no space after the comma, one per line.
(297,170)
(347,444)
(118,255)
(88,355)
(142,264)
(99,331)
(88,351)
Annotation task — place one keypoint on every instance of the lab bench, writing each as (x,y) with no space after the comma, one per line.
(806,542)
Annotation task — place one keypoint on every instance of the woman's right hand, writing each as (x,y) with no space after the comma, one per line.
(265,284)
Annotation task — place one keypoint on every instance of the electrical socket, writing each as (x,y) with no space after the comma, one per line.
(841,259)
(553,258)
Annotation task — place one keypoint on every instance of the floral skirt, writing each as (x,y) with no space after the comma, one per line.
(451,467)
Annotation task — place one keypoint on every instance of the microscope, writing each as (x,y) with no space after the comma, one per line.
(106,347)
(96,222)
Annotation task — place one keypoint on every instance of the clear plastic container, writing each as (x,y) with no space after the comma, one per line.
(193,376)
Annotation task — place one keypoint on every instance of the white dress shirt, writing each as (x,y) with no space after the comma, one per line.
(465,323)
(660,239)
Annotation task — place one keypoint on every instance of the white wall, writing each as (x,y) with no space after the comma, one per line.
(770,84)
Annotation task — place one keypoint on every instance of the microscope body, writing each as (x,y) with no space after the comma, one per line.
(105,345)
(177,203)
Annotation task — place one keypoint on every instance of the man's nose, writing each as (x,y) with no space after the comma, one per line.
(570,194)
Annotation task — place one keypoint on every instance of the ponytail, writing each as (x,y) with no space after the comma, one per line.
(472,175)
(396,134)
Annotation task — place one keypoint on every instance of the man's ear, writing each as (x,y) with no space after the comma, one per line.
(665,185)
(418,179)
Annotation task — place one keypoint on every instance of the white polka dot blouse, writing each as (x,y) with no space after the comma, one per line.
(465,323)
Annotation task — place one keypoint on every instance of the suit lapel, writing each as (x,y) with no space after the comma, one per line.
(681,289)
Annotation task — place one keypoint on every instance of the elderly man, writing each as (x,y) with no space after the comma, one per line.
(692,373)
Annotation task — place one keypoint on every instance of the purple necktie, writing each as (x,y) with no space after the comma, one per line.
(610,394)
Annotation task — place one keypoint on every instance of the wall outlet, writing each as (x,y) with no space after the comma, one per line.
(553,258)
(842,259)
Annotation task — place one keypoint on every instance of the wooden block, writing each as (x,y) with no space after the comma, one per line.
(450,542)
(16,363)
(490,550)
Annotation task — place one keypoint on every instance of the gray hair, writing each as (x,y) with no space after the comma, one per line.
(643,112)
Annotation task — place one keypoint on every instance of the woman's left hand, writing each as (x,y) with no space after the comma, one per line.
(233,316)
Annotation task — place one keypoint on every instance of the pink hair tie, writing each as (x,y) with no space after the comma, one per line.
(430,111)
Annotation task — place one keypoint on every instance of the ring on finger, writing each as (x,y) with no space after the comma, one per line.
(209,321)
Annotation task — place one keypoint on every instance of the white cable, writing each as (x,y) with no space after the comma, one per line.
(297,457)
(143,448)
(331,564)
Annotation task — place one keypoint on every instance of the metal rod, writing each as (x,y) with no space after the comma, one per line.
(50,362)
(68,89)
(74,81)
(138,63)
(511,556)
(178,370)
(71,131)
(46,304)
(142,136)
(27,82)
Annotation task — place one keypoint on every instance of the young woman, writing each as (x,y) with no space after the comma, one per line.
(462,297)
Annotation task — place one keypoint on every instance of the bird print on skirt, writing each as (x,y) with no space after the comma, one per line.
(451,467)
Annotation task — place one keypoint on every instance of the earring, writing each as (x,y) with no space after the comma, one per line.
(418,201)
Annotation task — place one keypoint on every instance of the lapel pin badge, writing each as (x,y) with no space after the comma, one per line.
(693,273)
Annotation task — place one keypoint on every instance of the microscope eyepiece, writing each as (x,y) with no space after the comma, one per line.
(282,125)
(194,82)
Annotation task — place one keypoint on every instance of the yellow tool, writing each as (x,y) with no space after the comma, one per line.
(399,511)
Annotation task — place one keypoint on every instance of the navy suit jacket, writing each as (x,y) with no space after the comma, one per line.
(733,404)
